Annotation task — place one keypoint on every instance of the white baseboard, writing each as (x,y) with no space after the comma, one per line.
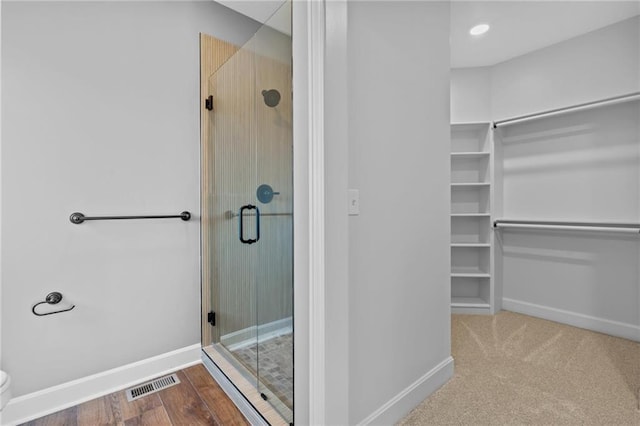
(601,325)
(471,311)
(247,336)
(41,403)
(401,404)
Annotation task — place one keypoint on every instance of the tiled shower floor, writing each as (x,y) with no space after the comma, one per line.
(275,365)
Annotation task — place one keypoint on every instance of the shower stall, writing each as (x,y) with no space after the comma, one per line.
(247,222)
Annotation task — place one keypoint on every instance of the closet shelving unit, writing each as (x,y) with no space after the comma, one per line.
(563,225)
(477,206)
(471,204)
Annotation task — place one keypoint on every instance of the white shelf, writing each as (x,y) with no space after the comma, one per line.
(470,243)
(469,154)
(470,275)
(469,302)
(471,211)
(471,124)
(469,272)
(470,184)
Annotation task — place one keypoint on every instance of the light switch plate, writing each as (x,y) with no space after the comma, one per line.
(354,202)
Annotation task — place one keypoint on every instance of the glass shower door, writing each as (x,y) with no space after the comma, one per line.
(249,199)
(274,197)
(232,177)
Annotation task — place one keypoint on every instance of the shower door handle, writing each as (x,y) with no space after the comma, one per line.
(241,214)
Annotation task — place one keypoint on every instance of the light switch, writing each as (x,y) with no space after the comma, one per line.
(354,202)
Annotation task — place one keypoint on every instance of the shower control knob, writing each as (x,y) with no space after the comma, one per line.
(271,97)
(265,193)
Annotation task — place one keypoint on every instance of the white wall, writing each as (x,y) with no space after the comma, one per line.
(399,244)
(597,65)
(580,166)
(471,95)
(337,259)
(576,167)
(100,115)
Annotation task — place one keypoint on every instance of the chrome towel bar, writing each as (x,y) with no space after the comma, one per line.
(78,218)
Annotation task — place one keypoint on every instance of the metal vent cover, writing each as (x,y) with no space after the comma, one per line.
(151,387)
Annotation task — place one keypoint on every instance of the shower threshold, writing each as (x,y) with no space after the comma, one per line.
(239,384)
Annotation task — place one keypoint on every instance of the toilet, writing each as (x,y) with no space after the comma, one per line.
(5,389)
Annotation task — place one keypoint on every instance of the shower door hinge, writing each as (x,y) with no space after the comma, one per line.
(211,318)
(208,103)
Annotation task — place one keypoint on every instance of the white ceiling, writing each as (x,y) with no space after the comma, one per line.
(519,27)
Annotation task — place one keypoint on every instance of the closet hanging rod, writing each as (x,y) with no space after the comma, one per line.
(78,218)
(573,108)
(627,228)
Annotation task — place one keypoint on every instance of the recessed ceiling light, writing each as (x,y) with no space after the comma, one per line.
(479,29)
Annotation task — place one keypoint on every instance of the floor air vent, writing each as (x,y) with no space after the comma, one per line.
(151,387)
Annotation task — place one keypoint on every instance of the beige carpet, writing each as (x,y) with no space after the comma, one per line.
(515,369)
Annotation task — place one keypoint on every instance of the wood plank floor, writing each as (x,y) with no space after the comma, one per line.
(196,400)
